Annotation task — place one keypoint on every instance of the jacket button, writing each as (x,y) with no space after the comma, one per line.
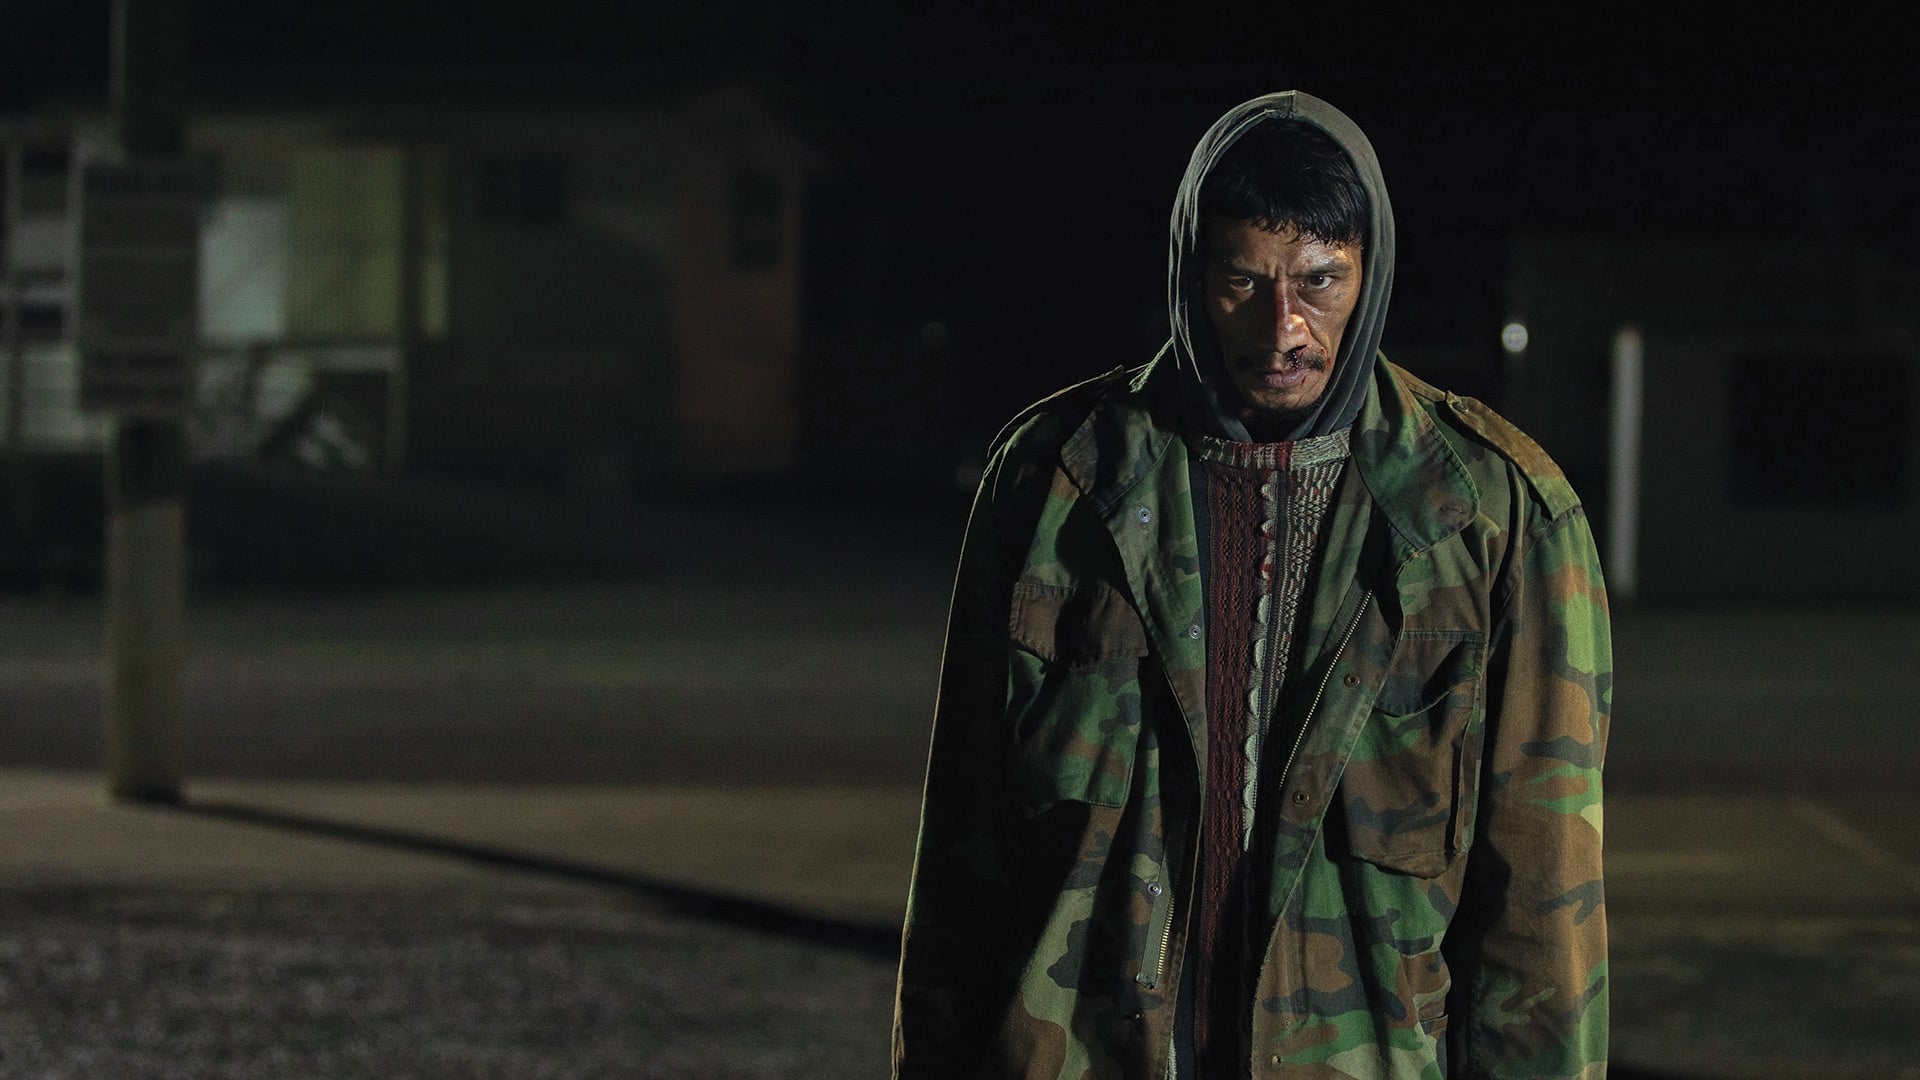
(1154,888)
(1143,514)
(1350,680)
(1194,631)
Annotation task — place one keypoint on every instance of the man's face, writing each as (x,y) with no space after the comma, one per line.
(1279,303)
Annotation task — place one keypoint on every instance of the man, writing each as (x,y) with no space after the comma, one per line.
(1276,692)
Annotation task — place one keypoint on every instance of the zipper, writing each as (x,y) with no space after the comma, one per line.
(1163,915)
(1166,939)
(1281,782)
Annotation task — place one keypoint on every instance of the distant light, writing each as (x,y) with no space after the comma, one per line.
(1513,337)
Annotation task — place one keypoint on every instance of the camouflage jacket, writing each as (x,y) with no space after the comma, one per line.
(1435,890)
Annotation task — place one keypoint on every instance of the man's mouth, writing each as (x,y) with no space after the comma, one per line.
(1277,371)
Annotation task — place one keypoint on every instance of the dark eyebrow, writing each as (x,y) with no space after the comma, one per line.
(1228,264)
(1324,266)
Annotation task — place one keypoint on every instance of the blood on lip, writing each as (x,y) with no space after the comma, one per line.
(1289,362)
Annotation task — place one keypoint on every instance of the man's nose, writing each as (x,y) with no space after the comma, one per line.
(1288,325)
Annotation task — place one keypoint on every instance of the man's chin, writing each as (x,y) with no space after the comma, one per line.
(1274,424)
(1275,406)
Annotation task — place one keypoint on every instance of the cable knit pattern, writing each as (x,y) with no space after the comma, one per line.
(1265,506)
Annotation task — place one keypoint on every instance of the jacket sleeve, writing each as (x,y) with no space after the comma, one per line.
(1529,944)
(955,974)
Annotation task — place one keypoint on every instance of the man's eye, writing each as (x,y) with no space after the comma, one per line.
(1318,282)
(1239,282)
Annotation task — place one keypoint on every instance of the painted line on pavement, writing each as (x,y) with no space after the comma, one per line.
(1836,829)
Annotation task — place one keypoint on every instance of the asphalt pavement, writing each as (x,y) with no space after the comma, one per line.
(656,822)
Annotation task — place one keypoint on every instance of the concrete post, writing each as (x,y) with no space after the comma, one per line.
(146,593)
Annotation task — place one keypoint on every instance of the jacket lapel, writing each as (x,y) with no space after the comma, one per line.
(1132,472)
(1404,492)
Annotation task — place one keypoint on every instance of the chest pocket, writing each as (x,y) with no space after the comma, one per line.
(1409,789)
(1073,693)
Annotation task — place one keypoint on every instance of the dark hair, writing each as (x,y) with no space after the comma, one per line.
(1288,172)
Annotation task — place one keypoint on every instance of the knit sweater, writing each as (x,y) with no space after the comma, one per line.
(1265,505)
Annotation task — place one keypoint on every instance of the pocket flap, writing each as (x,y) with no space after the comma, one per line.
(1074,693)
(1409,785)
(1075,626)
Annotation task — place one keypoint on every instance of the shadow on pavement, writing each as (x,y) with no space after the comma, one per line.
(863,939)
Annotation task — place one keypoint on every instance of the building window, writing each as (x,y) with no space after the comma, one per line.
(523,189)
(43,179)
(1818,430)
(757,224)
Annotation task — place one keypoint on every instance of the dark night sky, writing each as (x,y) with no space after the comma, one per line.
(1013,164)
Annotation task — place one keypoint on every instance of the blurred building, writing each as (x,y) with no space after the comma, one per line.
(1777,454)
(593,297)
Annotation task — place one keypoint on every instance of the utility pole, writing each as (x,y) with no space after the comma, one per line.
(146,464)
(408,334)
(1623,463)
(13,289)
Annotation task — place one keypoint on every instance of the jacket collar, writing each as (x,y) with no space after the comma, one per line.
(1126,434)
(1417,481)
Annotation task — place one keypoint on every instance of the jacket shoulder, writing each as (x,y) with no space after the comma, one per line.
(1472,418)
(1048,422)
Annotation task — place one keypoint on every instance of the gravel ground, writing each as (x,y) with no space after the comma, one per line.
(161,985)
(172,985)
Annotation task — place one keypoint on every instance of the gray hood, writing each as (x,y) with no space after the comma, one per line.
(1193,347)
